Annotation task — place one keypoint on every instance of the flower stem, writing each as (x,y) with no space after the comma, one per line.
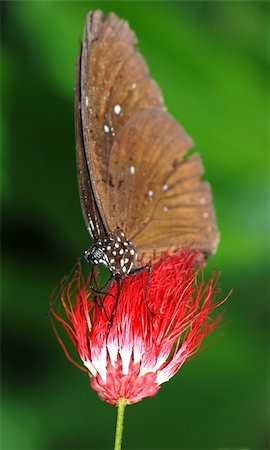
(121,404)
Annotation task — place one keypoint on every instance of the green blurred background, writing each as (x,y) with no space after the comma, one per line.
(210,59)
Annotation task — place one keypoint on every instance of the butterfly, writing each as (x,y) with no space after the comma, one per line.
(141,195)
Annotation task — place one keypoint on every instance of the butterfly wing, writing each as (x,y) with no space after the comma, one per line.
(91,215)
(157,196)
(134,152)
(115,84)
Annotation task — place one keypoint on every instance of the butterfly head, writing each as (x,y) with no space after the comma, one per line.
(115,252)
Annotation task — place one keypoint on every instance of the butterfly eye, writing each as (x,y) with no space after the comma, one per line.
(97,254)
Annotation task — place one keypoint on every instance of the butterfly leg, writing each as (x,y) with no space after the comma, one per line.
(119,286)
(149,268)
(98,298)
(104,289)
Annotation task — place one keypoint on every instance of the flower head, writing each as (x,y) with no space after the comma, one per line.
(141,332)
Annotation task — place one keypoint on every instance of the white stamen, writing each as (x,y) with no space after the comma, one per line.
(121,252)
(90,367)
(86,101)
(116,245)
(113,351)
(126,260)
(125,354)
(124,269)
(132,251)
(109,247)
(119,239)
(112,260)
(99,362)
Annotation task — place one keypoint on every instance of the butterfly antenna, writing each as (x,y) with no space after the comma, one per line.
(62,286)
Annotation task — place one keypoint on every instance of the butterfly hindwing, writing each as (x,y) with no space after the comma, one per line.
(156,192)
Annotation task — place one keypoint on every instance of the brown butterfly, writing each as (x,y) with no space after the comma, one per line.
(140,195)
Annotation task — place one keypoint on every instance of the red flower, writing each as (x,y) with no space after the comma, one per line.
(160,320)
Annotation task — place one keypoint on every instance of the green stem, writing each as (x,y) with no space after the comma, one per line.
(121,404)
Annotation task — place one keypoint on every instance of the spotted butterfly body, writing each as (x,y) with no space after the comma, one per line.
(135,182)
(115,252)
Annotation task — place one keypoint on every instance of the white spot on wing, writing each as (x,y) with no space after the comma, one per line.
(165,209)
(86,101)
(205,215)
(202,201)
(132,170)
(106,128)
(133,86)
(165,187)
(117,109)
(150,193)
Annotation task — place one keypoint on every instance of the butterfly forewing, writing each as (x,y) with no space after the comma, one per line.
(115,84)
(90,210)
